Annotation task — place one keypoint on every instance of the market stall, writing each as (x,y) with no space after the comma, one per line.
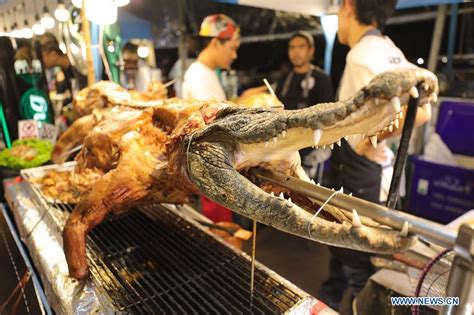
(101,182)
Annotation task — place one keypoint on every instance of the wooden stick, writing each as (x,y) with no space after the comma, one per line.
(87,39)
(269,87)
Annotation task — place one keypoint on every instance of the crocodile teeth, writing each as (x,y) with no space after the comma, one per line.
(331,146)
(312,181)
(345,138)
(434,97)
(281,197)
(376,101)
(396,123)
(283,133)
(317,136)
(427,108)
(414,92)
(275,139)
(324,147)
(373,140)
(401,115)
(272,194)
(318,184)
(356,219)
(426,86)
(289,204)
(396,103)
(404,231)
(390,128)
(339,142)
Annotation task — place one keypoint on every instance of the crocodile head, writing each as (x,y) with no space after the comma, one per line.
(220,155)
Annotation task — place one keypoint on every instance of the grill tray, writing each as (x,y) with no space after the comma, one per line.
(156,260)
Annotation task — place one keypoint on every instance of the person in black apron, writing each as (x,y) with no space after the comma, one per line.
(357,172)
(305,85)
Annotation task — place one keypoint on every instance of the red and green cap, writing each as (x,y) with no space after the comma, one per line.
(220,26)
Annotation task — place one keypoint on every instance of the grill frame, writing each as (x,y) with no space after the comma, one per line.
(301,302)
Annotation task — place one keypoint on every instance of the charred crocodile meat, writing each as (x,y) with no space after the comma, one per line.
(165,153)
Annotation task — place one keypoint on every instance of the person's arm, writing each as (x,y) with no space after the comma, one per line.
(421,118)
(252,91)
(365,147)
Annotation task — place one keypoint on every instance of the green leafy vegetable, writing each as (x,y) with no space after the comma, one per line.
(26,153)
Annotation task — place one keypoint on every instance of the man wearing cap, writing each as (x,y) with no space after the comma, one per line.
(305,85)
(220,37)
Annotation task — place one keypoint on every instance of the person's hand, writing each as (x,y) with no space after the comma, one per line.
(377,155)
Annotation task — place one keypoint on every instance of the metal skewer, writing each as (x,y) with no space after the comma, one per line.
(67,153)
(169,83)
(432,231)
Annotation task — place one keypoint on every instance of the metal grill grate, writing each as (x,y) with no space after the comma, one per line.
(154,261)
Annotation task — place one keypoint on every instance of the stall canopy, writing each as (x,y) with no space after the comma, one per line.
(300,6)
(404,4)
(132,26)
(322,7)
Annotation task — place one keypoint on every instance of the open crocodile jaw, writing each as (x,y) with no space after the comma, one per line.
(366,114)
(213,163)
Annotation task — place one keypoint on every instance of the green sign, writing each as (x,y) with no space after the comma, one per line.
(34,105)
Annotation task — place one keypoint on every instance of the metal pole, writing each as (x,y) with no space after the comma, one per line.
(87,40)
(182,53)
(460,278)
(437,37)
(435,232)
(432,63)
(452,39)
(399,166)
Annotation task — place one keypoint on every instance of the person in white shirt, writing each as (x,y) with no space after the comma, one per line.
(358,166)
(221,38)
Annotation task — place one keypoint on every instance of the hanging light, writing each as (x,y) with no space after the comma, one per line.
(111,47)
(103,12)
(121,3)
(77,3)
(26,30)
(61,13)
(63,48)
(74,49)
(143,51)
(38,28)
(47,20)
(16,32)
(4,32)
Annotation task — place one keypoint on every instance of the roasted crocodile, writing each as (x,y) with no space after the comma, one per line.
(165,153)
(106,94)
